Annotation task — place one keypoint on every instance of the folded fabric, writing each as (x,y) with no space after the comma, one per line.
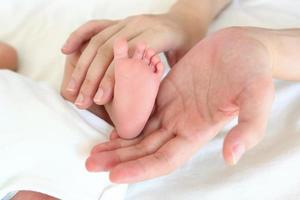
(44,142)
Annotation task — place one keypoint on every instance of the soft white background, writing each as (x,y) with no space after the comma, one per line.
(38,28)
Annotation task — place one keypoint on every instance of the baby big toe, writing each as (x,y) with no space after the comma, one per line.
(120,49)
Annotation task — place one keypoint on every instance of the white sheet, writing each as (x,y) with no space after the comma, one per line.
(44,142)
(270,171)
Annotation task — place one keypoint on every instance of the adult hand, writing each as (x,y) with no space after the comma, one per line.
(91,74)
(70,64)
(228,74)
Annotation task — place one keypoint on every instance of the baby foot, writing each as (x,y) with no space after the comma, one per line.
(137,80)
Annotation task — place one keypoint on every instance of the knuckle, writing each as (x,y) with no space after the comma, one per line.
(78,71)
(88,87)
(96,40)
(94,75)
(108,45)
(89,82)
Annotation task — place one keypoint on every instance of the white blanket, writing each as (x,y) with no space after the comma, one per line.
(270,171)
(44,142)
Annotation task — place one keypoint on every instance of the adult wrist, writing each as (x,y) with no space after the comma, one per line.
(283,48)
(192,27)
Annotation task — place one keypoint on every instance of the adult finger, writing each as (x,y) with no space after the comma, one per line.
(87,57)
(105,91)
(255,104)
(105,160)
(70,64)
(115,144)
(97,69)
(94,75)
(85,33)
(170,156)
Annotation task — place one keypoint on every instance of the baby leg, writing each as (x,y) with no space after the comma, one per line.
(8,57)
(29,195)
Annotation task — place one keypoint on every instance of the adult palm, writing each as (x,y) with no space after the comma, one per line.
(227,74)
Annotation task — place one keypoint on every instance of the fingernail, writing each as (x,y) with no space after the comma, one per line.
(71,86)
(237,152)
(80,100)
(99,95)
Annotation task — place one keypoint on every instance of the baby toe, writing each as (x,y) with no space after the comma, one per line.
(149,53)
(159,69)
(154,61)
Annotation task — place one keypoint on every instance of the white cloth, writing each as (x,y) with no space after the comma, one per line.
(37,28)
(44,142)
